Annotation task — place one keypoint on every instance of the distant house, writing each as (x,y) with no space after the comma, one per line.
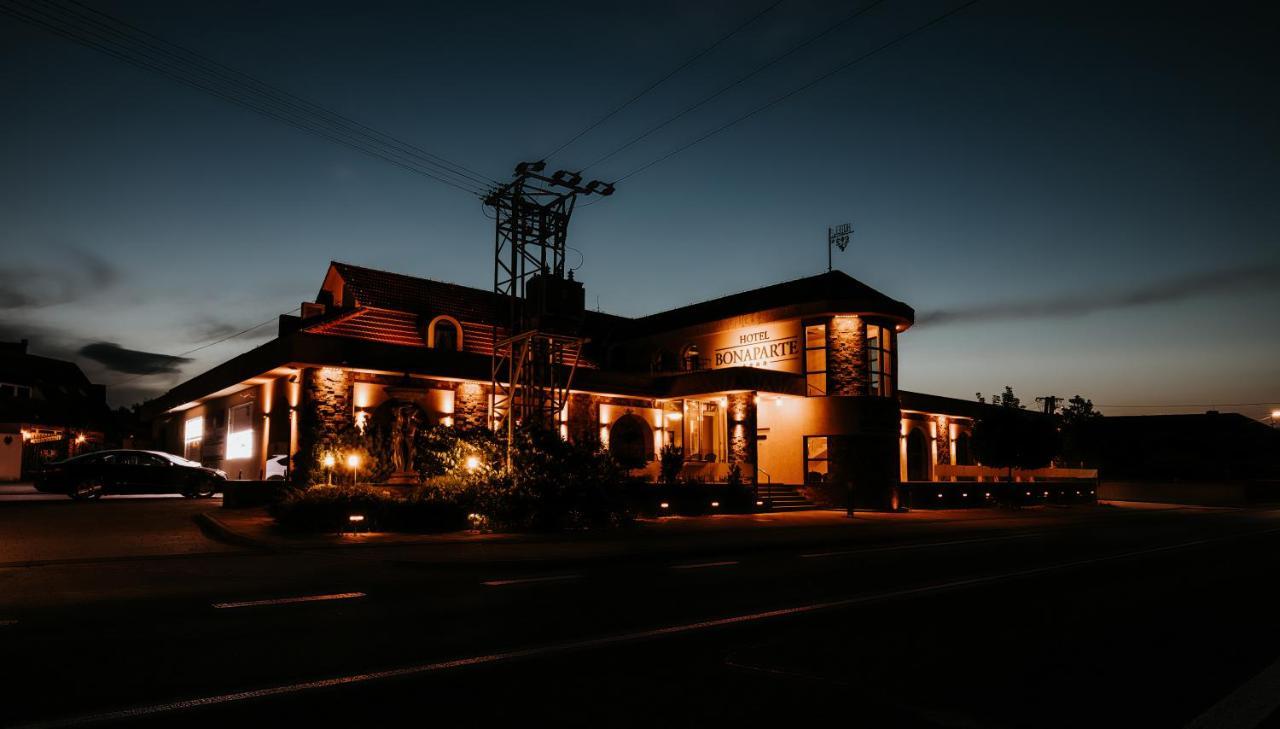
(48,410)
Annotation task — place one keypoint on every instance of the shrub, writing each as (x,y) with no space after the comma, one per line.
(670,460)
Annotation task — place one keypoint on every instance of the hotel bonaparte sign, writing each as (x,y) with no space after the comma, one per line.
(773,346)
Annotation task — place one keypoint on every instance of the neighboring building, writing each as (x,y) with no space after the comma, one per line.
(48,410)
(1209,446)
(796,383)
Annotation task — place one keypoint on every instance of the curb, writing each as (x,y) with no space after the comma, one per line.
(213,528)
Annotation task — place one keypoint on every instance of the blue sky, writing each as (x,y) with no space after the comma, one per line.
(1008,156)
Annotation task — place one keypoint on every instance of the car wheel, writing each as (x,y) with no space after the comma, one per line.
(86,489)
(204,490)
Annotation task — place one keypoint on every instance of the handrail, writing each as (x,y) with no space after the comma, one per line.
(768,485)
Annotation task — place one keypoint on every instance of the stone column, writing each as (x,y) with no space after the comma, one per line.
(846,356)
(741,412)
(324,411)
(470,405)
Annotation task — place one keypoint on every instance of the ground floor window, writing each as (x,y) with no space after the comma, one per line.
(704,436)
(240,432)
(192,438)
(817,459)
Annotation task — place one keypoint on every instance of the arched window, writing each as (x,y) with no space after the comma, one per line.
(689,358)
(444,333)
(964,450)
(917,456)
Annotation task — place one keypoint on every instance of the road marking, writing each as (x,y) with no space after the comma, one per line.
(1246,707)
(524,580)
(608,641)
(701,565)
(289,600)
(926,545)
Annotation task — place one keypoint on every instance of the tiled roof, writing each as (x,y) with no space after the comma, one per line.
(387,290)
(834,286)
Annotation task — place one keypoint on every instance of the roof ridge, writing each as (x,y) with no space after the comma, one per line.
(408,275)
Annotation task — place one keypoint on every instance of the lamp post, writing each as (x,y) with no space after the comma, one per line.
(353,462)
(1275,417)
(328,466)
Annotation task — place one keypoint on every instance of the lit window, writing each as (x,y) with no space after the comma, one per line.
(192,433)
(816,459)
(240,432)
(815,360)
(879,360)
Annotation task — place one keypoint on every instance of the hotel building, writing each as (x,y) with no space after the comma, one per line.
(795,383)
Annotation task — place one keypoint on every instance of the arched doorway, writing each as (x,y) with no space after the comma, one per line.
(964,452)
(631,441)
(917,456)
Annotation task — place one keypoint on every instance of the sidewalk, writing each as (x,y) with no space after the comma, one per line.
(255,529)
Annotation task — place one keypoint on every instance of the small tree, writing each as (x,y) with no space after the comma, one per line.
(1009,438)
(1078,424)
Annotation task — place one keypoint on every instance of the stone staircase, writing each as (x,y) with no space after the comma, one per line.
(784,498)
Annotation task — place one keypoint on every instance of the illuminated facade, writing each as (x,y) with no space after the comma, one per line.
(794,383)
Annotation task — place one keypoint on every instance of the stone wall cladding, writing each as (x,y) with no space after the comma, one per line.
(584,418)
(470,405)
(742,430)
(327,394)
(846,356)
(943,424)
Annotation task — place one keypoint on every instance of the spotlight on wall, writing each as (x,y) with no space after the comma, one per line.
(471,463)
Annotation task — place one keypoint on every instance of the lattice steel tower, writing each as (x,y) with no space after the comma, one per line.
(537,339)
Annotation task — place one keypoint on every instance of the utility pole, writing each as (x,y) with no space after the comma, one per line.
(536,336)
(1050,403)
(837,237)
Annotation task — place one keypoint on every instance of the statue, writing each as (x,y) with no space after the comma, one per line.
(404,430)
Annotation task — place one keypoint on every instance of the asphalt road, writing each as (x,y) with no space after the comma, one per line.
(1089,616)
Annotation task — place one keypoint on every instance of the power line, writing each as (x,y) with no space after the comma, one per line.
(266,101)
(215,342)
(806,86)
(751,74)
(278,92)
(662,80)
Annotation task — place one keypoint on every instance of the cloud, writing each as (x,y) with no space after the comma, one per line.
(132,361)
(77,273)
(1235,280)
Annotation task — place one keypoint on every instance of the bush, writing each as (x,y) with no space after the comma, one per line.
(670,460)
(327,509)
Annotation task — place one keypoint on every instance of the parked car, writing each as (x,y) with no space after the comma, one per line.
(91,475)
(278,468)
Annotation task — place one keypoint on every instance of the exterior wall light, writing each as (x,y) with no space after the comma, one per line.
(471,463)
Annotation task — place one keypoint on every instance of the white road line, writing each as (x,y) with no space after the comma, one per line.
(607,641)
(1246,707)
(289,600)
(524,580)
(926,545)
(701,565)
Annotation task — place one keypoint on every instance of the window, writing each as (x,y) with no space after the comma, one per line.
(445,334)
(817,457)
(21,392)
(704,431)
(690,361)
(879,360)
(815,360)
(240,431)
(192,435)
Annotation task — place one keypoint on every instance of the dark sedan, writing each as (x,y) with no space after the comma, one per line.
(91,475)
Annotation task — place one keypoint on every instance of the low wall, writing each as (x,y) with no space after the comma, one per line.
(1197,493)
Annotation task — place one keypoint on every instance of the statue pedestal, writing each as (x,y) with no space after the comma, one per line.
(403,477)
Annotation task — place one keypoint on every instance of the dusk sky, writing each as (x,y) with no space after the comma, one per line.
(1076,198)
